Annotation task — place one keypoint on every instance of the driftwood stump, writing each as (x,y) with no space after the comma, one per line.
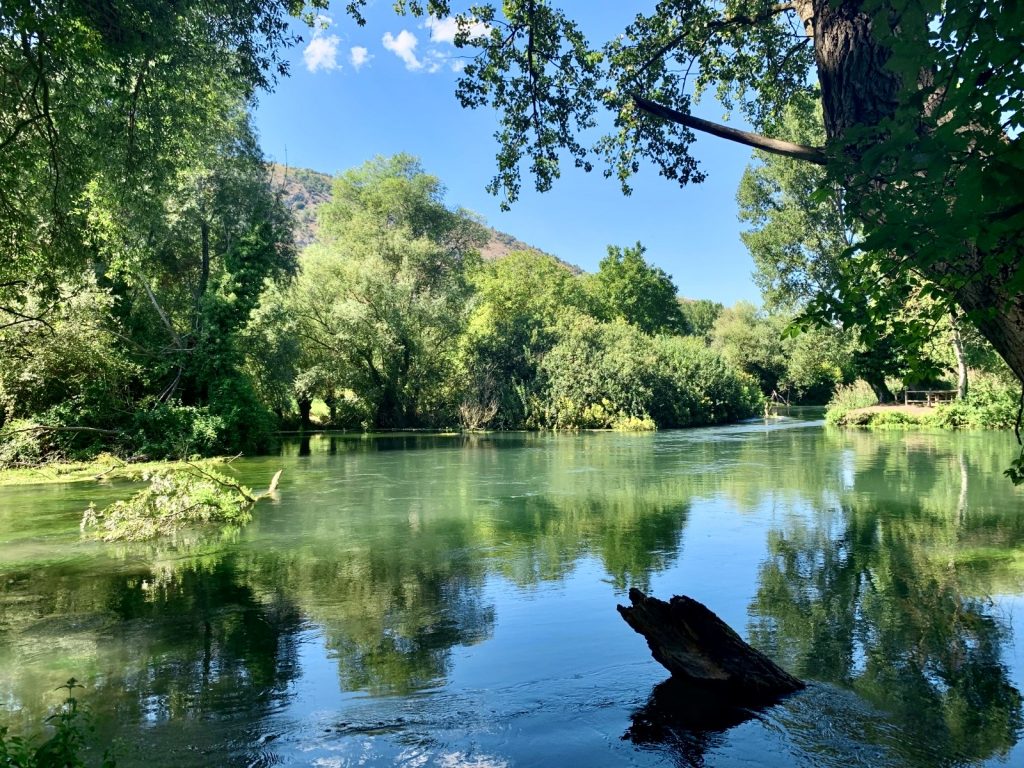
(700,649)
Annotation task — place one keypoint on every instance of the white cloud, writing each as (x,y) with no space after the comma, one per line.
(443,30)
(458,65)
(434,61)
(322,51)
(359,56)
(404,47)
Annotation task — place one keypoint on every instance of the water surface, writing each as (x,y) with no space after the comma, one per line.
(436,600)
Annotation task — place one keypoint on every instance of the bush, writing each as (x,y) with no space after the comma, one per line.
(849,397)
(612,375)
(22,442)
(634,424)
(696,386)
(171,430)
(992,402)
(246,426)
(595,374)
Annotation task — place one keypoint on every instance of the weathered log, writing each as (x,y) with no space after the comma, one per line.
(700,649)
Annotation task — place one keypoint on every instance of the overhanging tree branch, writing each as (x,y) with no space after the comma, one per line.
(814,155)
(714,26)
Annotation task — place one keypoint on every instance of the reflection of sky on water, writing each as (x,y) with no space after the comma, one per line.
(451,602)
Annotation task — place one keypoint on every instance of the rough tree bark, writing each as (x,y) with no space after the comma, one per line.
(698,648)
(858,90)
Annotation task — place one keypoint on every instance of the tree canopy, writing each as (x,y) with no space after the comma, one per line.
(922,105)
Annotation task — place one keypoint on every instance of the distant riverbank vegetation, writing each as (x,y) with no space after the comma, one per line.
(390,319)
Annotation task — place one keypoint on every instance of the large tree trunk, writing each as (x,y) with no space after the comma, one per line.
(858,91)
(961,358)
(998,315)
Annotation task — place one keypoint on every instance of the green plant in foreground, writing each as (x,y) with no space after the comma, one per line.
(172,501)
(63,749)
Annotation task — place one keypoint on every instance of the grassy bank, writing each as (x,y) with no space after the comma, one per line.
(992,403)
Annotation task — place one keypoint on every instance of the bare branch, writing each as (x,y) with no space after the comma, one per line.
(814,155)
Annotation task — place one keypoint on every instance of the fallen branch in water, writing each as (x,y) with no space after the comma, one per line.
(173,501)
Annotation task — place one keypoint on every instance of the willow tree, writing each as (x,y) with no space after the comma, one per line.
(922,103)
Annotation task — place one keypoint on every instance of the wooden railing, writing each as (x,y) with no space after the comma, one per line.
(928,397)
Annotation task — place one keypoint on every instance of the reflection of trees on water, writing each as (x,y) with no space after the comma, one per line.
(207,628)
(393,571)
(882,595)
(151,648)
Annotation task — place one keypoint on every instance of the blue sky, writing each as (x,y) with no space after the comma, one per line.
(389,87)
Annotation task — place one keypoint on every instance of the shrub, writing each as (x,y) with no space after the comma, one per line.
(634,424)
(991,403)
(245,423)
(171,430)
(22,441)
(607,375)
(849,397)
(595,374)
(696,386)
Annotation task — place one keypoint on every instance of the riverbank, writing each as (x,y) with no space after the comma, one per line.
(992,403)
(104,467)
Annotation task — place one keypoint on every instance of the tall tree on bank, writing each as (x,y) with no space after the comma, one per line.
(800,243)
(112,94)
(384,294)
(134,198)
(921,102)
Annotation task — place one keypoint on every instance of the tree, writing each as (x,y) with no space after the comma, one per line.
(627,287)
(382,298)
(804,368)
(797,236)
(130,178)
(800,243)
(700,316)
(108,97)
(753,343)
(520,300)
(920,102)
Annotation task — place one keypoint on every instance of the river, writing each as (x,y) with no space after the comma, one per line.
(450,600)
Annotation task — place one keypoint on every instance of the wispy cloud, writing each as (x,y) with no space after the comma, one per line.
(444,30)
(322,51)
(359,57)
(403,45)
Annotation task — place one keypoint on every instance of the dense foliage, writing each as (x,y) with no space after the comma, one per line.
(138,223)
(400,324)
(153,302)
(920,102)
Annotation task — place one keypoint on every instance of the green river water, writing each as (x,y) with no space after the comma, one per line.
(450,600)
